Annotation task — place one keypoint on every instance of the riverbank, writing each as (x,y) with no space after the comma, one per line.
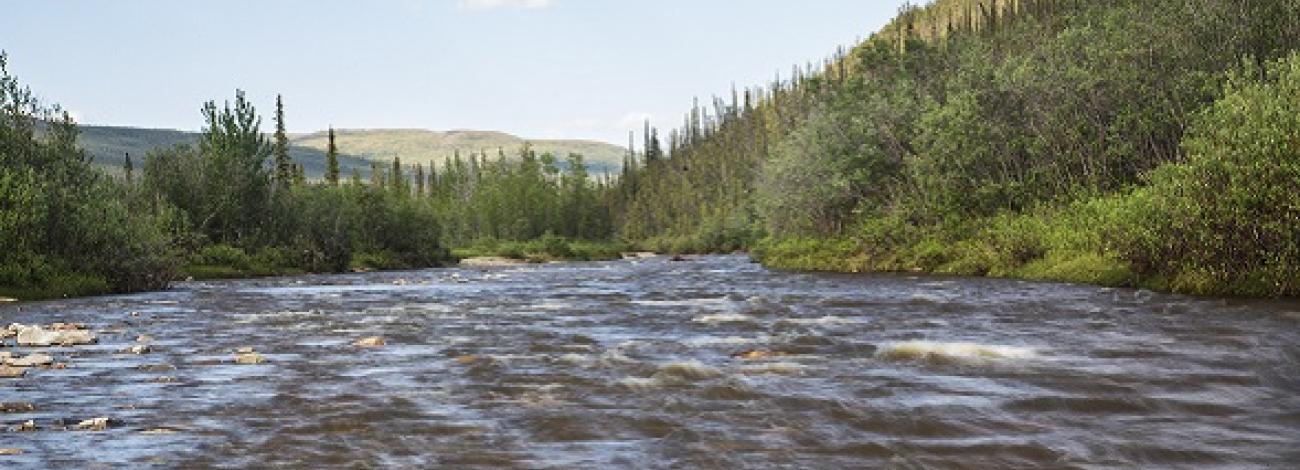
(544,250)
(221,262)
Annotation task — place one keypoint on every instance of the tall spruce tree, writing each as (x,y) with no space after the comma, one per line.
(284,172)
(332,161)
(130,169)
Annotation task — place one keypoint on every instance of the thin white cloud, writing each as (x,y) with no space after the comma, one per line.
(484,5)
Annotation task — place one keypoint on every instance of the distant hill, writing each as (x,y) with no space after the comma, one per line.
(421,146)
(109,146)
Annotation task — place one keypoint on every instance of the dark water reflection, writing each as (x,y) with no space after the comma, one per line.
(641,364)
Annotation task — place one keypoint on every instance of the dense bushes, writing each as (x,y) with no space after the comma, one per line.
(65,229)
(1228,219)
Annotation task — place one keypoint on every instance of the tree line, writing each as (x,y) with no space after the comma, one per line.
(236,204)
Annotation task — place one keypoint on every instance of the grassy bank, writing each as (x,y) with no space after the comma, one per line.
(544,249)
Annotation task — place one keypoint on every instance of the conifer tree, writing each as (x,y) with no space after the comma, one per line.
(419,180)
(332,161)
(283,165)
(130,169)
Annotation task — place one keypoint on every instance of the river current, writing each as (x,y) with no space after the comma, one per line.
(711,363)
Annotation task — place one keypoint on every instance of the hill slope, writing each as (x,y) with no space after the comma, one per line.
(421,146)
(109,145)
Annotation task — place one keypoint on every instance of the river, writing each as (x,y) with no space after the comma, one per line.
(710,363)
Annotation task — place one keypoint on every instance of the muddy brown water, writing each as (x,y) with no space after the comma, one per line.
(712,363)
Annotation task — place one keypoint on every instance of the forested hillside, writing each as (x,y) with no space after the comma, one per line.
(1122,142)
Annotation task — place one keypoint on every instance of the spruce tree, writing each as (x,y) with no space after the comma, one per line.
(283,165)
(419,180)
(332,161)
(130,170)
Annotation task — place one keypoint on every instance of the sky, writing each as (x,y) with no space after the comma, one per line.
(541,69)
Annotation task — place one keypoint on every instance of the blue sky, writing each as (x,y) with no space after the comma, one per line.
(588,69)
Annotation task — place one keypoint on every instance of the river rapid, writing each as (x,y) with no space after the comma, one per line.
(711,363)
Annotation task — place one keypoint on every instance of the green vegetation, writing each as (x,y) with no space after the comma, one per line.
(234,203)
(1129,143)
(66,229)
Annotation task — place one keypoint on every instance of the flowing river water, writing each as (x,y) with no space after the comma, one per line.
(710,363)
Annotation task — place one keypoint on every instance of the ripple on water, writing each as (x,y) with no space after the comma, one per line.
(716,363)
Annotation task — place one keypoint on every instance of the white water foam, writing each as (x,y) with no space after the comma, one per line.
(953,352)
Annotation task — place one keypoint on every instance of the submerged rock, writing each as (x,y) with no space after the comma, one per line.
(17,407)
(59,334)
(468,359)
(11,451)
(27,426)
(138,349)
(370,342)
(758,354)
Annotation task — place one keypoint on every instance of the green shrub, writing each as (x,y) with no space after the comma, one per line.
(1226,221)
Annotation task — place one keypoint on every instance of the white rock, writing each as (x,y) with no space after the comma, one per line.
(37,336)
(31,360)
(7,372)
(93,424)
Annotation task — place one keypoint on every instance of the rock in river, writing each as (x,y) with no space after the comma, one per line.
(247,356)
(371,342)
(61,335)
(94,424)
(7,372)
(31,360)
